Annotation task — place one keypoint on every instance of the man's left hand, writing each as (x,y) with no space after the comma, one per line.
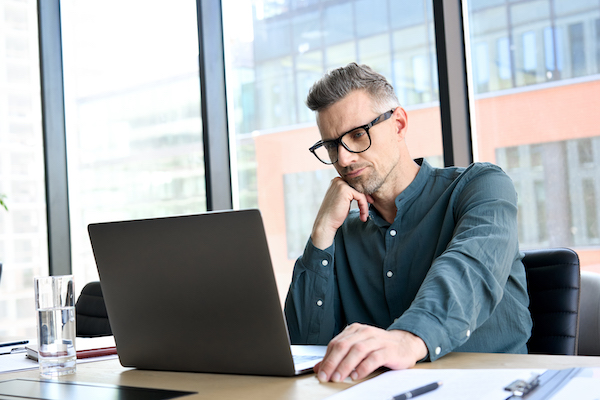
(360,349)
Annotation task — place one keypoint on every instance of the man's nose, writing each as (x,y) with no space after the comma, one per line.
(345,157)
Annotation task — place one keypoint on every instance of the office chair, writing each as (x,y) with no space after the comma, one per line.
(553,284)
(588,343)
(91,317)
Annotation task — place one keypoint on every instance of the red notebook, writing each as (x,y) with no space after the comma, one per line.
(86,347)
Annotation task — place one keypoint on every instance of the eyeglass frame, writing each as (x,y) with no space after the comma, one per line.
(383,117)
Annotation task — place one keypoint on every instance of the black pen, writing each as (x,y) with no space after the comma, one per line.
(13,343)
(417,392)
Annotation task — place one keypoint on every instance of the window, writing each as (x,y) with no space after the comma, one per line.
(504,60)
(23,238)
(591,206)
(577,46)
(274,169)
(585,151)
(597,26)
(481,67)
(543,134)
(132,100)
(552,51)
(529,57)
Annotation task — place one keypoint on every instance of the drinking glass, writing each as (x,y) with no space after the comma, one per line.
(55,306)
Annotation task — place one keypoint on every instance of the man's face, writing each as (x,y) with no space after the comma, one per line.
(368,171)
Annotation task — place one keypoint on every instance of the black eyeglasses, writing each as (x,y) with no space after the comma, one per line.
(356,140)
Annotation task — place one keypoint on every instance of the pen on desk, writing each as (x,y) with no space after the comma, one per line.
(417,392)
(13,343)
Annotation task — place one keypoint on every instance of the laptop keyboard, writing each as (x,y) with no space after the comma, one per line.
(299,358)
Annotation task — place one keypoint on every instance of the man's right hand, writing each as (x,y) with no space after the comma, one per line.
(334,210)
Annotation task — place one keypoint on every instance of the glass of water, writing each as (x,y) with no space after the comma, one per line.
(55,306)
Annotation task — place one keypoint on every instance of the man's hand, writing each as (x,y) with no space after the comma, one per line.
(334,210)
(360,349)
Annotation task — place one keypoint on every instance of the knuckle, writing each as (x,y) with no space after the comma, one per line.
(361,347)
(377,358)
(328,365)
(341,345)
(355,326)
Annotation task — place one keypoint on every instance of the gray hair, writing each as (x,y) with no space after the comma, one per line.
(338,83)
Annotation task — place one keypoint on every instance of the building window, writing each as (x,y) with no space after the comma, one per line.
(481,67)
(529,57)
(577,45)
(552,53)
(591,206)
(597,26)
(504,59)
(585,150)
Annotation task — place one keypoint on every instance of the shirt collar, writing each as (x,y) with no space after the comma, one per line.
(408,194)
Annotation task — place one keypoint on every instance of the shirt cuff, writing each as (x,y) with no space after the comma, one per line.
(317,260)
(429,329)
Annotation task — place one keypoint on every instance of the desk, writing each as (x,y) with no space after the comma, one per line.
(306,387)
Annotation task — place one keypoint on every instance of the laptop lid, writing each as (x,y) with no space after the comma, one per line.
(193,293)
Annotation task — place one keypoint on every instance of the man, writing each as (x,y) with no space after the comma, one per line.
(429,262)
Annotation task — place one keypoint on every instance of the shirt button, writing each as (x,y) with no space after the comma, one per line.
(324,263)
(438,350)
(319,303)
(390,274)
(393,232)
(468,332)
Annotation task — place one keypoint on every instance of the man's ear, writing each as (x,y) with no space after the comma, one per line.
(400,119)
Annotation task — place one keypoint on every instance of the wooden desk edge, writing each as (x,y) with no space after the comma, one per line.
(502,361)
(306,387)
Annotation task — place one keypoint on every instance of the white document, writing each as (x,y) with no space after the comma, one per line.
(16,362)
(584,386)
(463,384)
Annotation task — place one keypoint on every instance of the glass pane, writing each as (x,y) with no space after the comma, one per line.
(273,56)
(23,237)
(535,74)
(132,97)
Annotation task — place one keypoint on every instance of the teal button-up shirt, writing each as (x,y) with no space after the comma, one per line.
(448,269)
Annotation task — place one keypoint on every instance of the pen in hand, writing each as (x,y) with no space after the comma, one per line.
(417,392)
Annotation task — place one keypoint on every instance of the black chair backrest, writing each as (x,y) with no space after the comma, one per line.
(91,316)
(553,283)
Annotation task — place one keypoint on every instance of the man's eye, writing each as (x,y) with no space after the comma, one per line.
(357,134)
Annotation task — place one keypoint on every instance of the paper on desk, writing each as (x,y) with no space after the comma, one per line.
(16,362)
(585,386)
(463,384)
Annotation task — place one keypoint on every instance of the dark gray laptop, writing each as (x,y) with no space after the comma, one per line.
(195,293)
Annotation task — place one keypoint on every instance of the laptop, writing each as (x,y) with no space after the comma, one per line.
(195,293)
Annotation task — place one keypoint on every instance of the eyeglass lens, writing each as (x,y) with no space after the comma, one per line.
(355,141)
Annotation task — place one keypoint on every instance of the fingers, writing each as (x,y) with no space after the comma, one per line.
(334,210)
(363,206)
(348,354)
(316,367)
(374,360)
(361,349)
